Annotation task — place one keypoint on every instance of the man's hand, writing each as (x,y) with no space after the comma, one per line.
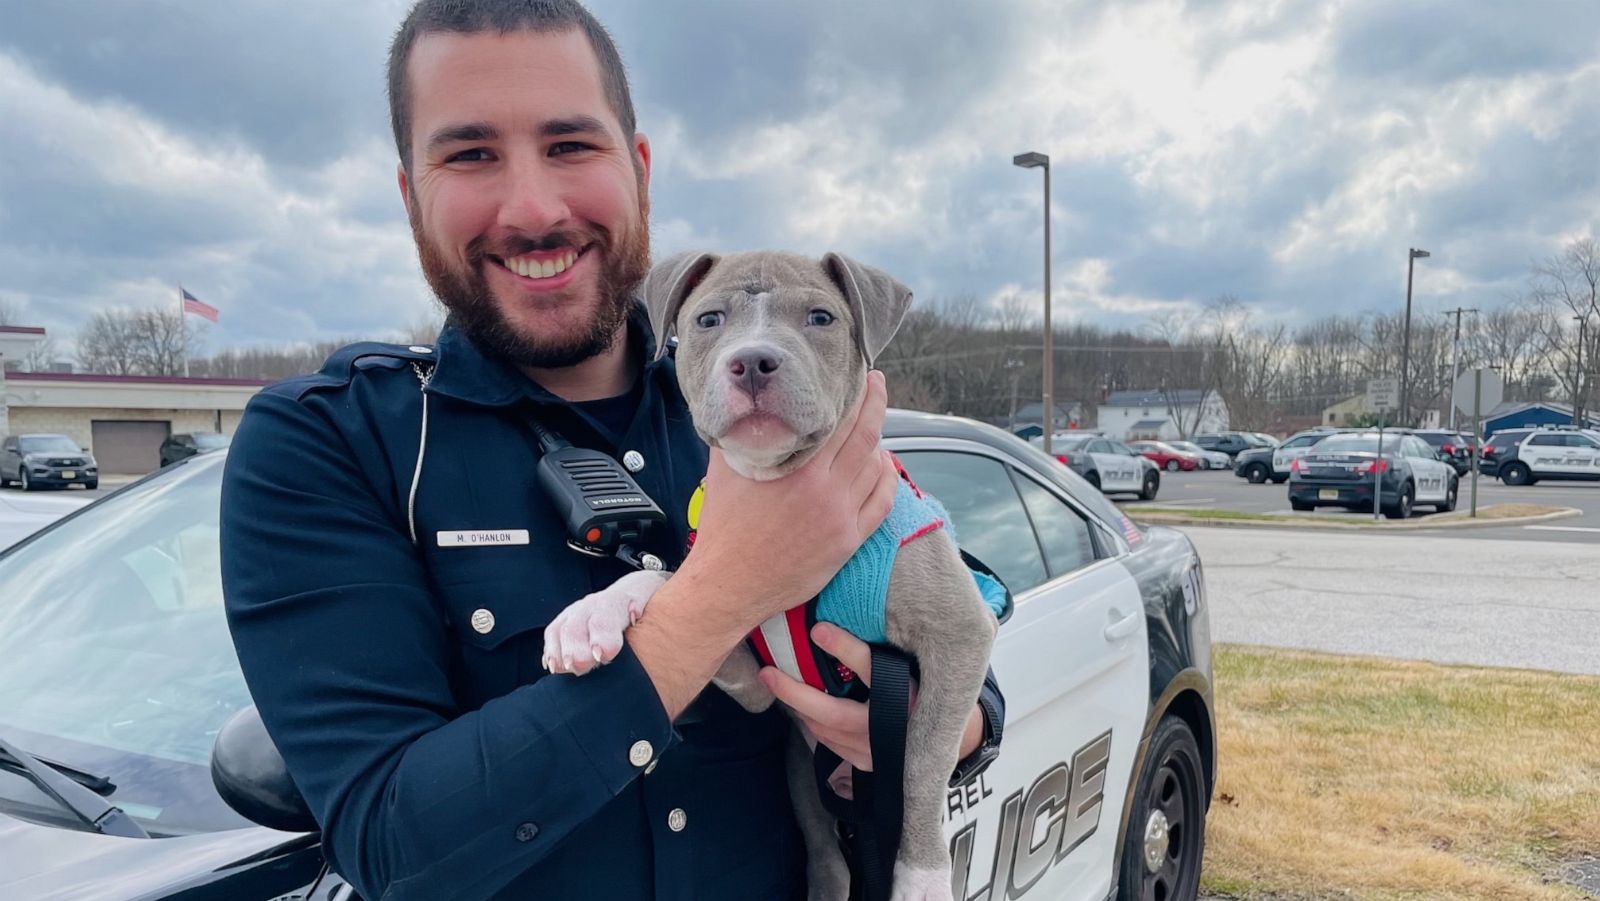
(841,724)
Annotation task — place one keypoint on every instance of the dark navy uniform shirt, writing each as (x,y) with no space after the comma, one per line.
(402,682)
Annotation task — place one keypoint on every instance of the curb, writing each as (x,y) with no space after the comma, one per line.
(1164,519)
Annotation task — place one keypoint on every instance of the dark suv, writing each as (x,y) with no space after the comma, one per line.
(38,461)
(1230,443)
(188,444)
(1499,449)
(1457,445)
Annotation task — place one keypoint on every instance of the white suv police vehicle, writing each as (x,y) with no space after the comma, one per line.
(1106,464)
(1555,453)
(1293,448)
(1106,767)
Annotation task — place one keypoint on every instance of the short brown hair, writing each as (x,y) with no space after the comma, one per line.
(503,16)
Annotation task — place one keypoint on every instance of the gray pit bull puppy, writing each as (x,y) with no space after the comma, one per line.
(772,353)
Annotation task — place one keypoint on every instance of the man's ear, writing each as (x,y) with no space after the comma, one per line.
(405,184)
(877,300)
(666,288)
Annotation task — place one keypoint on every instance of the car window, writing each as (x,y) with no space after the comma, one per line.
(1302,441)
(1100,447)
(1062,532)
(1581,441)
(1420,448)
(986,512)
(1549,440)
(1118,447)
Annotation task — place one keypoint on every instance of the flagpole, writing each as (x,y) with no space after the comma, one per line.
(183,331)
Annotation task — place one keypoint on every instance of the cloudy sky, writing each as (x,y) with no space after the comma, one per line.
(1286,152)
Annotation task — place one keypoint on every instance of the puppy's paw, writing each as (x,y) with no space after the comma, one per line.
(589,632)
(920,883)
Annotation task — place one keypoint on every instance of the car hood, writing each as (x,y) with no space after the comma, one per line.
(47,863)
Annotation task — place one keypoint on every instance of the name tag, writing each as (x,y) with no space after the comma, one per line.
(482,538)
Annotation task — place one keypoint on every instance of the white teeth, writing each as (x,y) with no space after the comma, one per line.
(531,268)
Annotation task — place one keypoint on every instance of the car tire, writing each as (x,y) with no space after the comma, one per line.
(1167,823)
(22,476)
(1255,473)
(1152,485)
(1450,497)
(92,485)
(1515,473)
(1279,480)
(1173,465)
(1401,509)
(1093,479)
(1301,506)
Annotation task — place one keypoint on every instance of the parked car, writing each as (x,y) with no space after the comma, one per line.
(1346,470)
(1254,465)
(1454,445)
(122,675)
(1560,453)
(1230,443)
(1208,459)
(1262,437)
(46,461)
(1166,456)
(1295,446)
(1500,447)
(22,516)
(1110,466)
(187,444)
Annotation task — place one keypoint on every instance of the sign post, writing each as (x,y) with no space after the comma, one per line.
(1487,390)
(1382,396)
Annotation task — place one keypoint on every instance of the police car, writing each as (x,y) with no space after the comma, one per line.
(117,677)
(1345,470)
(1293,448)
(1106,464)
(1554,453)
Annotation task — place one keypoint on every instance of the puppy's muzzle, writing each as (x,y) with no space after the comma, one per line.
(752,368)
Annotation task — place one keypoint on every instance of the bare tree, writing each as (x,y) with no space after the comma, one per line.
(137,342)
(1566,287)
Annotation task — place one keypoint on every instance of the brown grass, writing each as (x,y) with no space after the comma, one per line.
(1345,777)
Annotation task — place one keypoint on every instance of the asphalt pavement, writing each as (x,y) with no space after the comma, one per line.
(1414,595)
(1222,490)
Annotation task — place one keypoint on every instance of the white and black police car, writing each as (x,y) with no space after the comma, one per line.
(1106,464)
(117,675)
(1348,469)
(1556,453)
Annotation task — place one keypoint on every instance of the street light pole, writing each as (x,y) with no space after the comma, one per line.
(1578,381)
(1455,361)
(1040,161)
(1405,353)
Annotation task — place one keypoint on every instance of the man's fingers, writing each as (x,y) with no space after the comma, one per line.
(880,501)
(817,708)
(850,650)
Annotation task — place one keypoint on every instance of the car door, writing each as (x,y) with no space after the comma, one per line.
(1074,663)
(1128,465)
(1112,466)
(1585,455)
(1432,475)
(1545,454)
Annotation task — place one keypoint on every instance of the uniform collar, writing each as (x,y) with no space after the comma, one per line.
(466,373)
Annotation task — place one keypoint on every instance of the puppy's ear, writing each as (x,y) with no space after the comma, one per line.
(666,288)
(877,300)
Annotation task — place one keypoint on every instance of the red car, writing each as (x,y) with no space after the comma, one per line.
(1166,456)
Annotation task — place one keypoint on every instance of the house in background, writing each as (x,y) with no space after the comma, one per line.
(1519,415)
(1163,416)
(1347,412)
(1068,416)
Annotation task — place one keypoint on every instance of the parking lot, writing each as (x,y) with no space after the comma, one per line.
(1222,490)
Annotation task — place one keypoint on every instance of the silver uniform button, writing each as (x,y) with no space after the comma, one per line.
(640,753)
(419,349)
(482,621)
(651,562)
(633,460)
(677,819)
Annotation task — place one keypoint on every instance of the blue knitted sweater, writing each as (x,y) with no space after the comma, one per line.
(856,598)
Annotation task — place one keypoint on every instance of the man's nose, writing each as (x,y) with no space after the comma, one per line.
(535,201)
(752,367)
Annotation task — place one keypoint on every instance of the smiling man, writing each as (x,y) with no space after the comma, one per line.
(390,561)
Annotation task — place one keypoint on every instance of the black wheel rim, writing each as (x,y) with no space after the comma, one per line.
(1175,793)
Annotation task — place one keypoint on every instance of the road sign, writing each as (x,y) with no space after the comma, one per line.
(1383,395)
(1493,391)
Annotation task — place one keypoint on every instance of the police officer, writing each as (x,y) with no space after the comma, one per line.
(390,563)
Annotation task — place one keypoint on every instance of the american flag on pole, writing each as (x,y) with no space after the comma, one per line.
(191,304)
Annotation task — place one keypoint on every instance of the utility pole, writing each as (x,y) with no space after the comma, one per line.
(1455,361)
(1578,383)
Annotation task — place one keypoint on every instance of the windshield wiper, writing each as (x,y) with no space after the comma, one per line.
(96,812)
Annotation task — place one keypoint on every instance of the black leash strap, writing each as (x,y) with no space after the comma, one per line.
(878,808)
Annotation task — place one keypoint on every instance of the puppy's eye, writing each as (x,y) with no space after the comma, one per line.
(710,320)
(819,317)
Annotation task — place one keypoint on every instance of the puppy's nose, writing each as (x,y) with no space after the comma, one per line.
(752,367)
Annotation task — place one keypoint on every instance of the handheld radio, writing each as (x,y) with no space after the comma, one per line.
(606,512)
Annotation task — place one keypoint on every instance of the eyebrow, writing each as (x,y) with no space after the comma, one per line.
(471,132)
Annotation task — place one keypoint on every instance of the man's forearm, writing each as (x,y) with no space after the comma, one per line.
(684,636)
